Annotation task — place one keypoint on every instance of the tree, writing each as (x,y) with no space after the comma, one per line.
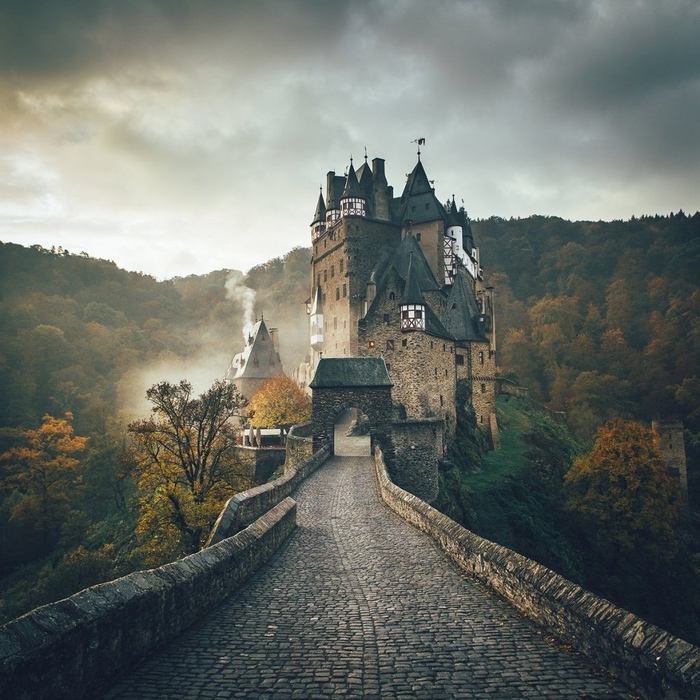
(185,465)
(626,503)
(45,470)
(279,403)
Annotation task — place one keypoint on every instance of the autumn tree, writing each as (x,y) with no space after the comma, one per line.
(186,466)
(626,503)
(44,469)
(279,403)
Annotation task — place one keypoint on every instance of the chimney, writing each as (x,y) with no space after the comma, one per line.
(275,340)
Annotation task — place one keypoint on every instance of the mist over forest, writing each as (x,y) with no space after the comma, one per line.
(596,319)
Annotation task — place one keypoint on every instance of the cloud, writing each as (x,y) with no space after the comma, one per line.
(179,130)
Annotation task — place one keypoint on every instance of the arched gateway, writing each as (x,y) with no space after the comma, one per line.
(352,382)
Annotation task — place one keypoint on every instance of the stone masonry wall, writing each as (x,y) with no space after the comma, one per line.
(247,506)
(654,662)
(422,366)
(69,649)
(418,446)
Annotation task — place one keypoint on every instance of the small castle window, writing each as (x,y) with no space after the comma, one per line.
(389,344)
(481,419)
(481,357)
(386,319)
(342,263)
(325,275)
(444,347)
(454,305)
(392,296)
(370,344)
(436,371)
(418,237)
(337,293)
(442,401)
(459,359)
(345,290)
(388,367)
(332,270)
(483,388)
(404,342)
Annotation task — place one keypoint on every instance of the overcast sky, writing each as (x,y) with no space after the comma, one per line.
(182,136)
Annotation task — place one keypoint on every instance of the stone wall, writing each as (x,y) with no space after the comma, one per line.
(654,662)
(71,648)
(423,366)
(418,446)
(374,402)
(247,506)
(260,463)
(300,446)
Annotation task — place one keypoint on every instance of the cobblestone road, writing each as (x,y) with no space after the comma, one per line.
(358,604)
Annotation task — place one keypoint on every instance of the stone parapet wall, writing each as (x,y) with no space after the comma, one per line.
(300,446)
(654,662)
(247,506)
(71,648)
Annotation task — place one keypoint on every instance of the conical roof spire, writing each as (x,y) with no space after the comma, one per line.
(412,293)
(352,186)
(320,214)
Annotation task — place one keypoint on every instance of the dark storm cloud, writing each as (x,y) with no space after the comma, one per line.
(179,115)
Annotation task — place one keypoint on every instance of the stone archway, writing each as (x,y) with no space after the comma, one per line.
(352,434)
(361,383)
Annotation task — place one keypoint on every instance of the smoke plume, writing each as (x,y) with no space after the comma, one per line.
(237,291)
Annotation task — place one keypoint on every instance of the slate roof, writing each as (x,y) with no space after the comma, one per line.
(411,293)
(418,201)
(350,372)
(352,186)
(462,311)
(259,360)
(320,214)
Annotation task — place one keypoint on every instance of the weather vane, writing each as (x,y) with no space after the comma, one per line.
(420,142)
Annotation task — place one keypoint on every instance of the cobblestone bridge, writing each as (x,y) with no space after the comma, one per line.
(359,604)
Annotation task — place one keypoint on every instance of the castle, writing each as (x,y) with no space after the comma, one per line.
(400,278)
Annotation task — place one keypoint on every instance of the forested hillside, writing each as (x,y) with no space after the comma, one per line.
(598,320)
(80,343)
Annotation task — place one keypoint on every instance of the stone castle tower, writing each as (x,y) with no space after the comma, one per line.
(399,278)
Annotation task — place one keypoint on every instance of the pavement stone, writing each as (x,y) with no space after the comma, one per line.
(358,604)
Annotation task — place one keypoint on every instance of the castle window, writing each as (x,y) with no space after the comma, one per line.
(436,371)
(325,275)
(454,305)
(404,342)
(318,279)
(386,319)
(442,401)
(325,242)
(444,347)
(481,419)
(389,344)
(459,359)
(332,270)
(345,290)
(445,372)
(370,344)
(431,344)
(337,293)
(418,237)
(483,388)
(388,367)
(342,262)
(392,296)
(481,357)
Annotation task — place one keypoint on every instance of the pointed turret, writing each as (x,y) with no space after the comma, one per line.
(352,201)
(412,305)
(318,225)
